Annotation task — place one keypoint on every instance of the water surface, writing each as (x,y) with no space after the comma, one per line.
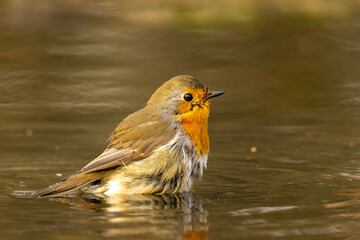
(284,160)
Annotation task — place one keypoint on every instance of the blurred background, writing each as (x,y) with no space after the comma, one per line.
(284,160)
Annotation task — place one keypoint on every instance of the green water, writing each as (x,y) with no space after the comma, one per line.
(285,147)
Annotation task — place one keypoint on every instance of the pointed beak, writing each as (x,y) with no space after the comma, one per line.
(214,94)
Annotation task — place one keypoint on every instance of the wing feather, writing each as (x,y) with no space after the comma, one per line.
(131,141)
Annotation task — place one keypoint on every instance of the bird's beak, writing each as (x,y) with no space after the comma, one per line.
(214,94)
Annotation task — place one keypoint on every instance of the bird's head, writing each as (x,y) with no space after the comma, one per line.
(183,99)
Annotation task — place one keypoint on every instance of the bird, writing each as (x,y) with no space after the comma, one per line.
(155,150)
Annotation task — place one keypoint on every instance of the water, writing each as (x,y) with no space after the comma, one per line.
(284,160)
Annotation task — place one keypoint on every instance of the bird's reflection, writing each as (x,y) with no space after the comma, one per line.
(178,216)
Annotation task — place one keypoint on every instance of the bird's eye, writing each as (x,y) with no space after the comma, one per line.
(188,97)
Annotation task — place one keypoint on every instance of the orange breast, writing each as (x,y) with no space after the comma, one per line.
(197,132)
(195,124)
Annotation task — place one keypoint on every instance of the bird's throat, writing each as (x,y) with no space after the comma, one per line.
(195,124)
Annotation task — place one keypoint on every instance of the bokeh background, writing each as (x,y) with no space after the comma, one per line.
(284,160)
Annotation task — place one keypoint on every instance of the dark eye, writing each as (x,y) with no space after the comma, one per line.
(188,97)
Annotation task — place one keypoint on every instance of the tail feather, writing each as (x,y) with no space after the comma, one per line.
(69,185)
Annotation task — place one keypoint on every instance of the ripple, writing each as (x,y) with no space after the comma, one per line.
(260,210)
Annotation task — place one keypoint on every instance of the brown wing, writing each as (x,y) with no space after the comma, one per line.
(110,159)
(132,140)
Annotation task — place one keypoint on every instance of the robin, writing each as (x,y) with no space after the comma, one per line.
(156,150)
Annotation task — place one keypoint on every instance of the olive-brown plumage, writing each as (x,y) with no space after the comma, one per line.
(158,149)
